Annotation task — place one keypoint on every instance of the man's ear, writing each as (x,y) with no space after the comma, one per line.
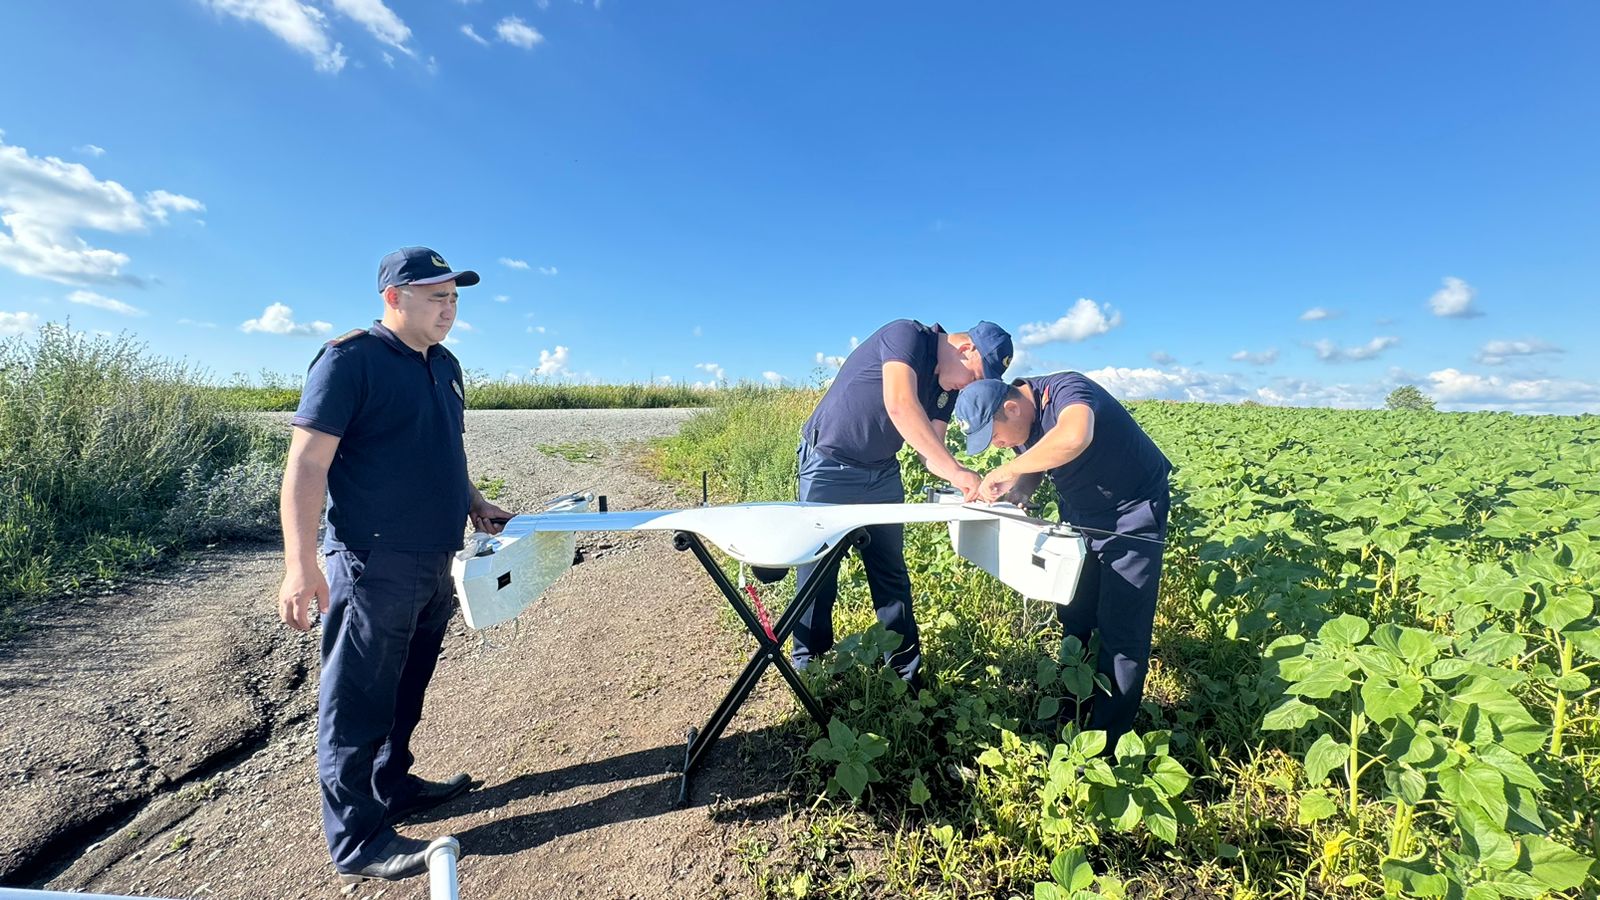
(1013,409)
(391,297)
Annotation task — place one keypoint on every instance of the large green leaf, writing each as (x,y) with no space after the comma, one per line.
(1292,714)
(1325,755)
(1169,774)
(1344,631)
(1385,700)
(1071,869)
(1562,609)
(1417,876)
(1486,841)
(1553,865)
(1477,786)
(1316,806)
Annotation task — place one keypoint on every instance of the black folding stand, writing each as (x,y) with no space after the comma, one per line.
(768,653)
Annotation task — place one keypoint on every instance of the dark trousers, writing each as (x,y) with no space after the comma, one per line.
(1116,595)
(386,619)
(822,480)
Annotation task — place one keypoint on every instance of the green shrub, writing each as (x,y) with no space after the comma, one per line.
(110,457)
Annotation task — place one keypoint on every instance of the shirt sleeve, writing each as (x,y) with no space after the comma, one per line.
(902,341)
(332,394)
(1073,389)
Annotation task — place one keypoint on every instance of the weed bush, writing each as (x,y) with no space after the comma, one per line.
(110,457)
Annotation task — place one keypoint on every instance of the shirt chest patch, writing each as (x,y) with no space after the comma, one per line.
(944,399)
(456,386)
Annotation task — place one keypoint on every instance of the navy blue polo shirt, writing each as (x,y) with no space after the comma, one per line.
(1121,465)
(851,425)
(399,478)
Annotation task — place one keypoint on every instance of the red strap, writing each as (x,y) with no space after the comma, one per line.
(762,615)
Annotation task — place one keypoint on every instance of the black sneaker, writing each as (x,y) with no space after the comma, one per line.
(427,795)
(401,857)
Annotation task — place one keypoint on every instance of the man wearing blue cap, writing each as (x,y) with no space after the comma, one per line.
(897,387)
(1112,481)
(378,432)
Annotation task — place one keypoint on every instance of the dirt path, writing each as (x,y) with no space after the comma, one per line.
(161,740)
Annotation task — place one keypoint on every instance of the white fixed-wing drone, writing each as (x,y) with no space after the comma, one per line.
(1040,559)
(497,578)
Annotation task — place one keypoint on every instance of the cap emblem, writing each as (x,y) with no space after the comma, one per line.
(439,262)
(1005,363)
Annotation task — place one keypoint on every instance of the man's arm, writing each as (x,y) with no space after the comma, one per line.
(1072,434)
(900,399)
(305,489)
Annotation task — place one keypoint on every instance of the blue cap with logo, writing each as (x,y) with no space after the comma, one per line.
(419,265)
(993,345)
(975,411)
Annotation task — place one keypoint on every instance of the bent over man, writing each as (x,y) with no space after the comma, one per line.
(378,432)
(897,387)
(1112,481)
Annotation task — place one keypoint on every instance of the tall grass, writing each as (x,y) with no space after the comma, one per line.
(278,393)
(110,457)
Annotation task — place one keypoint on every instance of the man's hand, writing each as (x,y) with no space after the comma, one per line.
(486,517)
(968,482)
(996,484)
(294,597)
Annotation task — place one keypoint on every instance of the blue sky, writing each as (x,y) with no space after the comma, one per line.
(1163,195)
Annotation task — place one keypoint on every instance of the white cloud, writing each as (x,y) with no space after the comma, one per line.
(1286,391)
(1162,358)
(300,25)
(712,369)
(15,323)
(379,20)
(665,379)
(1317,314)
(1454,300)
(90,150)
(553,365)
(45,202)
(547,270)
(470,32)
(388,58)
(772,377)
(833,361)
(1264,358)
(1328,351)
(536,329)
(510,263)
(158,203)
(462,325)
(1168,384)
(854,342)
(501,298)
(99,301)
(193,324)
(1084,320)
(1496,352)
(1457,390)
(518,33)
(279,319)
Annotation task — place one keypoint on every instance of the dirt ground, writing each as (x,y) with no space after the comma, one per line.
(161,740)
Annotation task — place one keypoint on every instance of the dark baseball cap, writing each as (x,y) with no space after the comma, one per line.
(419,265)
(976,407)
(993,345)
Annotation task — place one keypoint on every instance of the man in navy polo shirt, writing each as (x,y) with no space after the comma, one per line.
(1112,481)
(897,387)
(378,432)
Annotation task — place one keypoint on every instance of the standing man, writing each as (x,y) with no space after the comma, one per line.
(898,387)
(378,433)
(1111,480)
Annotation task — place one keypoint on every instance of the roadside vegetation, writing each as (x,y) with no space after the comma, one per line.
(1374,675)
(111,458)
(274,392)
